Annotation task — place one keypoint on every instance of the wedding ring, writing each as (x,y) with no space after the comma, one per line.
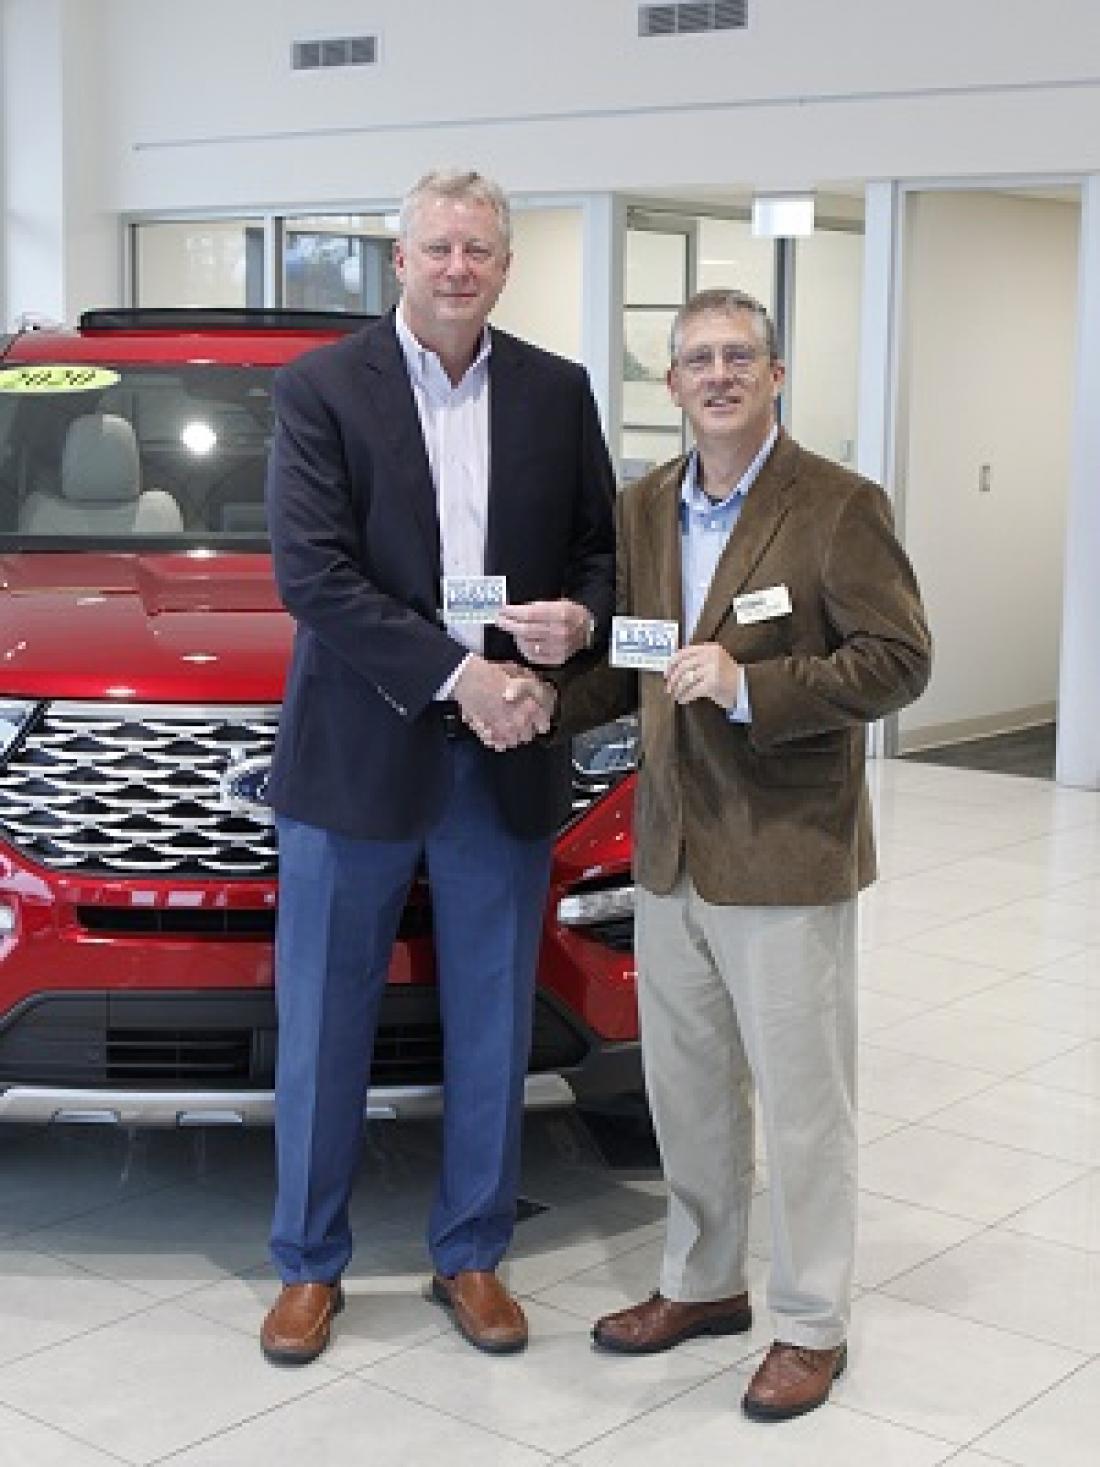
(538,649)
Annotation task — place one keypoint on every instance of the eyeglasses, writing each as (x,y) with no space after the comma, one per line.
(737,357)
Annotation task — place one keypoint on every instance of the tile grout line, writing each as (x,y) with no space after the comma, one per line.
(1027,1405)
(449,1415)
(70,1435)
(82,1334)
(245,1421)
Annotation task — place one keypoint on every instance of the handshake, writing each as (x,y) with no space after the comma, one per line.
(506,705)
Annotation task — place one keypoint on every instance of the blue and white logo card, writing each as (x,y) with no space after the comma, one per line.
(646,645)
(475,599)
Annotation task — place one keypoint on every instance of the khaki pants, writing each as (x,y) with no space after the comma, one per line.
(732,999)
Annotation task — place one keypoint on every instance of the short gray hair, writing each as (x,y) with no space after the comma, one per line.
(454,183)
(728,302)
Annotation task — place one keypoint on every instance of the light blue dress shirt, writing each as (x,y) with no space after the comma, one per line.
(705,526)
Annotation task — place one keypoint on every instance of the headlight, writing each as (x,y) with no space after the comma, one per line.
(15,714)
(609,751)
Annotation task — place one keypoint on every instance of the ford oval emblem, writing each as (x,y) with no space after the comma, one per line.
(244,788)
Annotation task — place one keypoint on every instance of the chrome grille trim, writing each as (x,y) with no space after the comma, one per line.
(587,790)
(134,789)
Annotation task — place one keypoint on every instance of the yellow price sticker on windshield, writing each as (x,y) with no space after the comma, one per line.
(72,377)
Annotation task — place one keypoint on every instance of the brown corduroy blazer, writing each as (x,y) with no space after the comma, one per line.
(775,812)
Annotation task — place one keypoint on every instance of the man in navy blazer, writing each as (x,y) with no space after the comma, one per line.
(425,446)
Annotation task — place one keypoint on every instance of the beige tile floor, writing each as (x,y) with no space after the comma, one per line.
(133,1276)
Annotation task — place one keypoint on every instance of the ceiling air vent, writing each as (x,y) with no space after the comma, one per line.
(334,51)
(689,18)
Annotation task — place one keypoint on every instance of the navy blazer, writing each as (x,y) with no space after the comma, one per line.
(355,545)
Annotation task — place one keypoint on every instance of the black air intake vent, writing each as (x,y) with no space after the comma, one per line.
(256,924)
(213,1057)
(692,17)
(334,51)
(226,1041)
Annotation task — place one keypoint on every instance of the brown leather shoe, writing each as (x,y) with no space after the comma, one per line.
(660,1323)
(297,1327)
(792,1380)
(483,1309)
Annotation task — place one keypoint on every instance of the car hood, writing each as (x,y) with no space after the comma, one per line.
(186,627)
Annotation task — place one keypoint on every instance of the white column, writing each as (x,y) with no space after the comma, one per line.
(33,158)
(1078,761)
(876,443)
(604,236)
(877,360)
(62,249)
(274,246)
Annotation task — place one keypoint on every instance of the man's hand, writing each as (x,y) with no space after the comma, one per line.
(705,671)
(506,705)
(548,633)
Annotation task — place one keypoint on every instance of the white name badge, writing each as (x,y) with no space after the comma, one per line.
(647,645)
(475,599)
(763,605)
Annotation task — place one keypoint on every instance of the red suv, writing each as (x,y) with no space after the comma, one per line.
(142,657)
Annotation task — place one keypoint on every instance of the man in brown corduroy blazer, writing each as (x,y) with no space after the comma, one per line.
(801,621)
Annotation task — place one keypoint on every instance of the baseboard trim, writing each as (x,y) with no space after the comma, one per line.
(967,730)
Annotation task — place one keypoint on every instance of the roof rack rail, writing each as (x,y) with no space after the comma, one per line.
(220,318)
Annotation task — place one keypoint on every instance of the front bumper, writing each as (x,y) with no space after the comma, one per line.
(195,1059)
(150,1002)
(39,1104)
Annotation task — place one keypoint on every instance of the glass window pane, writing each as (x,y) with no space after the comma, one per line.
(340,262)
(824,366)
(645,364)
(731,257)
(649,405)
(656,286)
(656,268)
(645,448)
(202,434)
(200,262)
(649,414)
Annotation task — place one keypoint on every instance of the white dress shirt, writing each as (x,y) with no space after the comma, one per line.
(454,419)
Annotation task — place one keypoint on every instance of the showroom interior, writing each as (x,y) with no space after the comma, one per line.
(941,325)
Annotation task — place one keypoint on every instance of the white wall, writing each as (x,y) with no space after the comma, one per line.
(542,300)
(61,247)
(205,110)
(33,149)
(991,310)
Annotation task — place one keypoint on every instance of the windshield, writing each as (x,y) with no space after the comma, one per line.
(122,454)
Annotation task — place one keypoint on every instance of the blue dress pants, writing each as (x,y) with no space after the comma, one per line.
(340,902)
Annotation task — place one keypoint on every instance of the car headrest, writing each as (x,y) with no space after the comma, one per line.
(99,461)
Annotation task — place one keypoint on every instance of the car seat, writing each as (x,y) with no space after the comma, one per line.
(101,491)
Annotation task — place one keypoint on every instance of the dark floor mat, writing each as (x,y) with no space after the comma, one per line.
(1028,751)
